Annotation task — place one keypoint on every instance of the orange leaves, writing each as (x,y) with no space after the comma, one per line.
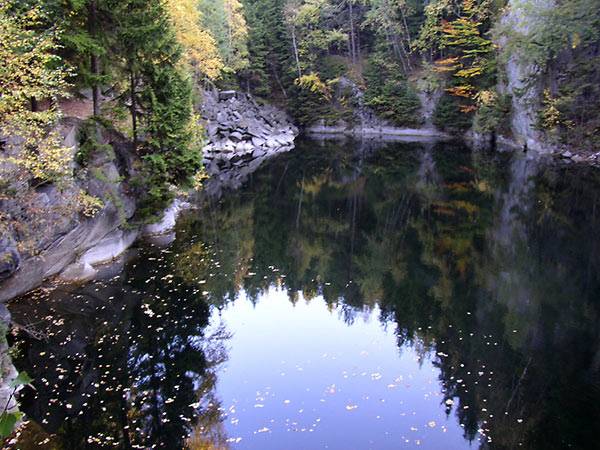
(471,72)
(447,65)
(466,109)
(465,91)
(470,52)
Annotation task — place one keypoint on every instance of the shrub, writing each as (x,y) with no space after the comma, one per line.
(448,115)
(389,93)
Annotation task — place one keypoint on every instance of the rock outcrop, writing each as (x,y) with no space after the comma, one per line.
(9,257)
(367,124)
(53,235)
(522,79)
(168,220)
(73,247)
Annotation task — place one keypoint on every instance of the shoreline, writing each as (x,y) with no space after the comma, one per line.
(109,249)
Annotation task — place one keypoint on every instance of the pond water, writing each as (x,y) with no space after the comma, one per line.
(349,296)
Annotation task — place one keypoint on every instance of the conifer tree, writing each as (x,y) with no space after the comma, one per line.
(268,46)
(87,30)
(159,97)
(144,39)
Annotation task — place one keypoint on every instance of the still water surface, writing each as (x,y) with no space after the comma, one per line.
(412,295)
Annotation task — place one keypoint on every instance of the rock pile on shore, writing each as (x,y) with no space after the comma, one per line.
(238,128)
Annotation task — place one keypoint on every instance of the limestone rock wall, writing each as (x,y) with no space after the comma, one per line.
(523,83)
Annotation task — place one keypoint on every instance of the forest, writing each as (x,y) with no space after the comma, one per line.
(392,202)
(145,63)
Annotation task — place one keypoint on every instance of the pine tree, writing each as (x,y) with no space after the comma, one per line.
(159,97)
(268,46)
(86,38)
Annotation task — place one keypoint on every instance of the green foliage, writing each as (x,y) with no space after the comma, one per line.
(493,113)
(396,24)
(159,96)
(449,116)
(86,41)
(306,105)
(268,48)
(9,419)
(168,123)
(154,183)
(333,66)
(89,142)
(389,93)
(8,422)
(227,24)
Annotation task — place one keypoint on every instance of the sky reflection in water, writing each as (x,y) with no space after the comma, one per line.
(329,384)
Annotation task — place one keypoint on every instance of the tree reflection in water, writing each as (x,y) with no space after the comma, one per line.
(490,263)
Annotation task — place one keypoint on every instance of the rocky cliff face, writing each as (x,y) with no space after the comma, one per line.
(523,82)
(53,235)
(367,124)
(55,239)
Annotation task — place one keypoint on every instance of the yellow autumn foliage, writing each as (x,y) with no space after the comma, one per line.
(237,35)
(313,83)
(31,69)
(200,48)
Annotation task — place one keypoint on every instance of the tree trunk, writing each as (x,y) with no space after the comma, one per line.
(352,36)
(397,49)
(95,88)
(133,110)
(35,107)
(94,66)
(296,55)
(276,76)
(406,30)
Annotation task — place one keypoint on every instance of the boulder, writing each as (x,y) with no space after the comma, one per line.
(257,153)
(272,143)
(10,259)
(238,126)
(236,135)
(109,248)
(258,142)
(78,272)
(168,220)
